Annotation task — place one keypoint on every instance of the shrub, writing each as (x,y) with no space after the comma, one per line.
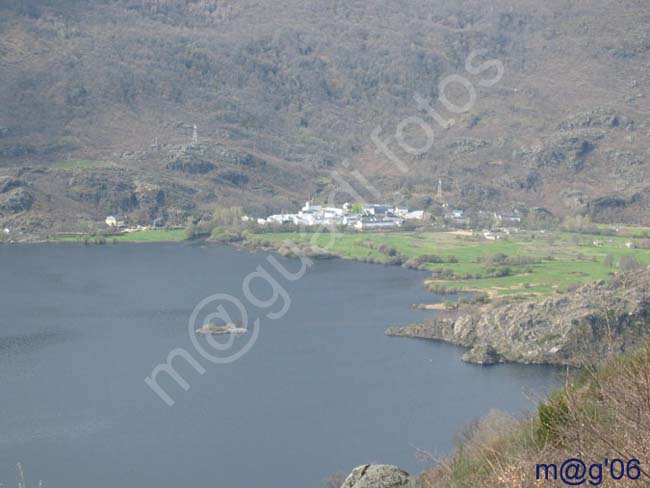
(502,271)
(491,259)
(222,235)
(430,258)
(553,417)
(481,298)
(443,290)
(629,263)
(444,273)
(602,410)
(521,260)
(227,216)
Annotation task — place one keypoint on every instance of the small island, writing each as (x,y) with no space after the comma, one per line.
(213,329)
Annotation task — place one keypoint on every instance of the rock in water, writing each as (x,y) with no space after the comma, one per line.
(377,476)
(482,354)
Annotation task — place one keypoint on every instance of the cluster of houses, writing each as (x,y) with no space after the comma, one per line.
(360,217)
(119,225)
(365,217)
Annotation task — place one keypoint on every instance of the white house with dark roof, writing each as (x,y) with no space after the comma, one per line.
(366,223)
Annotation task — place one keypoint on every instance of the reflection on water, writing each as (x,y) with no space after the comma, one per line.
(30,342)
(53,429)
(322,390)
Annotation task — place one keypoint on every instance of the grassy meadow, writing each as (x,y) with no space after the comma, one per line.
(153,235)
(538,263)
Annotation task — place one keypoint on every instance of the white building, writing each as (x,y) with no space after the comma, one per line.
(282,219)
(414,215)
(311,208)
(378,209)
(377,223)
(370,216)
(351,220)
(111,221)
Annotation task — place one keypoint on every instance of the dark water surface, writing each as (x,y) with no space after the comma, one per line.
(321,390)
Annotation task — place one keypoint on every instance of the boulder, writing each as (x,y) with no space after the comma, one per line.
(482,354)
(377,476)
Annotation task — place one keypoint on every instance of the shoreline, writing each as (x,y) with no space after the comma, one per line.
(493,328)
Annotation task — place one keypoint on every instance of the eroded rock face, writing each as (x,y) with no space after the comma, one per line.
(567,151)
(377,476)
(581,326)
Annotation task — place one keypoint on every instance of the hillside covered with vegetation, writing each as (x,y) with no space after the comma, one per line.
(601,415)
(99,99)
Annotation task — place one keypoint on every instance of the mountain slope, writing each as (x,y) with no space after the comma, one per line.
(284,93)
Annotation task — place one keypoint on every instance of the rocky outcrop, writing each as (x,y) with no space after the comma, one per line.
(15,201)
(466,145)
(107,190)
(593,321)
(191,166)
(599,117)
(377,476)
(7,184)
(569,152)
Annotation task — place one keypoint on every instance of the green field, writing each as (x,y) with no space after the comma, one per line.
(558,260)
(176,235)
(81,164)
(525,263)
(162,235)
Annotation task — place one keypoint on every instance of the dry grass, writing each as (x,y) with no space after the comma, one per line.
(602,413)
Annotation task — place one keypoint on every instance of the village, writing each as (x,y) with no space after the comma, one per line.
(382,216)
(362,217)
(357,216)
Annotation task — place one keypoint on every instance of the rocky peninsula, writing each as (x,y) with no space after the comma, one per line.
(589,323)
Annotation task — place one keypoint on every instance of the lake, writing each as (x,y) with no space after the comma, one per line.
(321,389)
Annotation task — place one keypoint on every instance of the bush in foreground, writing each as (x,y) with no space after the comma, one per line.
(602,413)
